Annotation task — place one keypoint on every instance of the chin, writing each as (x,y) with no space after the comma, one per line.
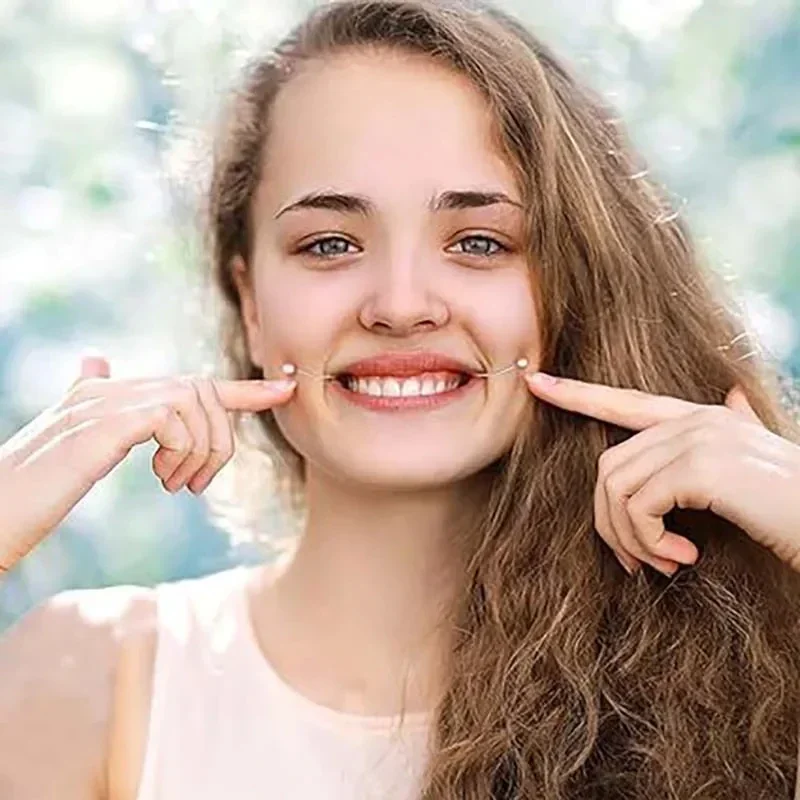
(395,452)
(411,471)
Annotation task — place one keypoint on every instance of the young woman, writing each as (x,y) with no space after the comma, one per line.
(505,587)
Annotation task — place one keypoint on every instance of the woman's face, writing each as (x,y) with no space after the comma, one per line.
(402,268)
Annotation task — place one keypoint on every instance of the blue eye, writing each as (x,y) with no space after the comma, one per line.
(330,251)
(326,251)
(482,251)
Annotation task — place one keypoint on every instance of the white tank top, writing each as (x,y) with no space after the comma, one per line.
(224,724)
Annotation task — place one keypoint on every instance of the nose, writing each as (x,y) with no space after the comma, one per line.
(401,299)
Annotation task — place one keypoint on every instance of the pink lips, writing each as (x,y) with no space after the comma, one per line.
(405,365)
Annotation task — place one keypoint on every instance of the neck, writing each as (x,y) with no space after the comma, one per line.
(367,591)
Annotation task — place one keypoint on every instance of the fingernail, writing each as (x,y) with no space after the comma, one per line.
(668,573)
(281,385)
(199,486)
(542,378)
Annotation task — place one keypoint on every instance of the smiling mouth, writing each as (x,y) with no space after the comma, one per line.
(426,384)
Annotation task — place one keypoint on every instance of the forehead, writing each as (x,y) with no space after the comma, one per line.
(392,125)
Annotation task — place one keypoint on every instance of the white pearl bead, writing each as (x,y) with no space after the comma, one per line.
(522,363)
(288,369)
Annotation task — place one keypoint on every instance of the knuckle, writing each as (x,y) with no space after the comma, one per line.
(615,484)
(75,394)
(70,397)
(636,506)
(67,418)
(220,455)
(213,390)
(196,458)
(72,415)
(202,446)
(605,463)
(187,446)
(226,454)
(184,390)
(699,461)
(161,414)
(204,385)
(188,383)
(196,383)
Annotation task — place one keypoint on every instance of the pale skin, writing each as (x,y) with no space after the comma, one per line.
(684,455)
(374,565)
(73,668)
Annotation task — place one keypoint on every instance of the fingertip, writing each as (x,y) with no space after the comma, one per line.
(280,385)
(675,547)
(94,366)
(541,379)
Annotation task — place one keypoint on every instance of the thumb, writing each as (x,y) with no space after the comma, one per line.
(93,365)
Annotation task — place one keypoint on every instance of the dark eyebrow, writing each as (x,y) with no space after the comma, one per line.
(358,204)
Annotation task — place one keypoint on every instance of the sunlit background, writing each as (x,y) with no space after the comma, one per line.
(105,113)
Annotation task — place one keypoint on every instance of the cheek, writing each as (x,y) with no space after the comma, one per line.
(502,314)
(300,316)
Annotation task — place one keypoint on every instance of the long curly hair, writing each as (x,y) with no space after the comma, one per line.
(569,679)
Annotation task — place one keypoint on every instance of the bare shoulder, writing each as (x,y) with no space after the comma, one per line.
(59,668)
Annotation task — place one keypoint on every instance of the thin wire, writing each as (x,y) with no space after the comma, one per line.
(289,370)
(519,365)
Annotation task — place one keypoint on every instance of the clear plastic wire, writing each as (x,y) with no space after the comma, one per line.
(290,370)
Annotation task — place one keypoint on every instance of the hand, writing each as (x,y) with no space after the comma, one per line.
(48,466)
(689,455)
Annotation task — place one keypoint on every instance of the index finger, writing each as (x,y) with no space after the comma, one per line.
(629,408)
(253,395)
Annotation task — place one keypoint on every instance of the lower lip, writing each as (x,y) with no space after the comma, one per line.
(418,402)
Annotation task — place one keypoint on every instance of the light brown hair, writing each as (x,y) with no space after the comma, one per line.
(568,678)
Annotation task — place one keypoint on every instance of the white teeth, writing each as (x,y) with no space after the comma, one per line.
(391,388)
(411,388)
(419,386)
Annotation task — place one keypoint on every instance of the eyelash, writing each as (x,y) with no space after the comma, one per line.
(307,248)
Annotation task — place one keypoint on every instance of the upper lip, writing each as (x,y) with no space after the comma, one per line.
(405,364)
